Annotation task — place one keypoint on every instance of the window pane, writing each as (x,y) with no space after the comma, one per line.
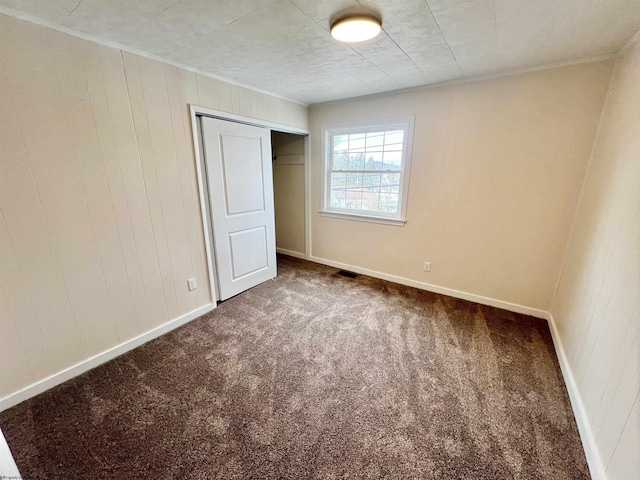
(357,142)
(375,140)
(338,180)
(390,182)
(353,199)
(340,143)
(374,161)
(393,140)
(354,180)
(337,198)
(340,161)
(371,181)
(356,161)
(392,160)
(370,200)
(389,202)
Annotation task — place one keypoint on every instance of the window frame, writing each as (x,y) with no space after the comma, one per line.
(328,131)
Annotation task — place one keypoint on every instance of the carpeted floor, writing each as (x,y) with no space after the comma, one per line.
(314,375)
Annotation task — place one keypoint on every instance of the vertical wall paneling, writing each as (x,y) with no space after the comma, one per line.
(79,116)
(43,129)
(171,205)
(14,364)
(126,182)
(244,101)
(224,94)
(620,246)
(620,407)
(278,110)
(67,208)
(19,201)
(19,308)
(615,287)
(610,374)
(264,106)
(100,222)
(29,236)
(12,356)
(183,162)
(295,114)
(597,306)
(145,149)
(208,91)
(627,447)
(254,104)
(188,95)
(235,99)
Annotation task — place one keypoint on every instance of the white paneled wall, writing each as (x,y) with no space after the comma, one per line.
(100,223)
(496,171)
(597,307)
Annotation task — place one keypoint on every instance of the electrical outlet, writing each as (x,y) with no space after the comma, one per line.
(192,284)
(427,266)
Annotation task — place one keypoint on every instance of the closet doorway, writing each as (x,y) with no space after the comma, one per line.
(289,187)
(239,170)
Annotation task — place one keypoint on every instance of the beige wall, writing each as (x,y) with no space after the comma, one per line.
(100,223)
(496,172)
(288,191)
(597,307)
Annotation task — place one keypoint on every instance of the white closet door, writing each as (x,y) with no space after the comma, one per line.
(238,162)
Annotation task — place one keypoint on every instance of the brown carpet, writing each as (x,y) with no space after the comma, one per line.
(314,375)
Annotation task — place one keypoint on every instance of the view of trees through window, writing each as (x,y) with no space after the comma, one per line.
(366,171)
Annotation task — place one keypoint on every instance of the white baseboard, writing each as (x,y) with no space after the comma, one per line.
(8,467)
(588,442)
(492,302)
(92,362)
(291,253)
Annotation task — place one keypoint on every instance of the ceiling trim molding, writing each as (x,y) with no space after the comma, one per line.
(118,46)
(477,78)
(632,41)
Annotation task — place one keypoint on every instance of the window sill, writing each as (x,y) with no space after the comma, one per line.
(364,218)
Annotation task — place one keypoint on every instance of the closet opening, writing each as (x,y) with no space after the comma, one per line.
(289,191)
(253,180)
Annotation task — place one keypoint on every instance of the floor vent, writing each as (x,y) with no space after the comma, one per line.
(346,273)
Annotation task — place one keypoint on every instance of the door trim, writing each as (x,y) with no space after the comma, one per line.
(197,111)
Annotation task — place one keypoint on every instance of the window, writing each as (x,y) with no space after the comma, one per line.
(367,169)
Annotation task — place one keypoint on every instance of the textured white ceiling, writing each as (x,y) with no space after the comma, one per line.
(284,46)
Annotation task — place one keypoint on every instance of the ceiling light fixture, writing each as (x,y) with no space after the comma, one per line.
(356,28)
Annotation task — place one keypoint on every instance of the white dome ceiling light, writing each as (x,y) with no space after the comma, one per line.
(356,28)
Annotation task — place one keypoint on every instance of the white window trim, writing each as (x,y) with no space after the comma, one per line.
(399,219)
(364,218)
